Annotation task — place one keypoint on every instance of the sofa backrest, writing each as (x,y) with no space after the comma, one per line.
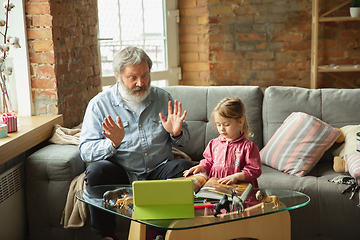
(337,107)
(199,101)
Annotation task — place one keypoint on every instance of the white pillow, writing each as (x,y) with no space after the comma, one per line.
(349,146)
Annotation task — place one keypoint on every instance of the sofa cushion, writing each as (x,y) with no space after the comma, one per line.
(353,165)
(280,102)
(298,144)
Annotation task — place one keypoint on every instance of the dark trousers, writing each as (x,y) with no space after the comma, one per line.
(107,173)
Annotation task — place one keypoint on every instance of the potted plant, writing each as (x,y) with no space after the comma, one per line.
(355,8)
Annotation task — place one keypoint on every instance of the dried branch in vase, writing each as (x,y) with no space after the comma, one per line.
(5,70)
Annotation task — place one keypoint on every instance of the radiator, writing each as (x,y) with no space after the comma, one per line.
(12,204)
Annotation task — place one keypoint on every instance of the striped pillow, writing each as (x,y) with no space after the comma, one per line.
(298,144)
(353,165)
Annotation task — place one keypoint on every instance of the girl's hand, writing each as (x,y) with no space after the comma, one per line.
(232,178)
(194,170)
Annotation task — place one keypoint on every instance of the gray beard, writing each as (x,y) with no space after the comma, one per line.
(130,94)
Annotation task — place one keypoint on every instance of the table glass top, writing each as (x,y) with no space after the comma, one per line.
(204,216)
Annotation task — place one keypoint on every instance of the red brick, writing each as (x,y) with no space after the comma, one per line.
(189,21)
(259,64)
(260,55)
(299,65)
(189,57)
(229,56)
(39,33)
(197,66)
(43,46)
(261,46)
(187,4)
(44,83)
(350,34)
(288,37)
(45,58)
(214,19)
(221,38)
(198,11)
(327,44)
(227,75)
(286,74)
(193,29)
(217,47)
(298,46)
(37,8)
(221,66)
(46,71)
(42,20)
(252,36)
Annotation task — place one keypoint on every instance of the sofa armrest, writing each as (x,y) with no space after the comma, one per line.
(49,172)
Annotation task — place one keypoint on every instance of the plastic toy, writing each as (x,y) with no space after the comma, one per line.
(263,198)
(114,194)
(124,202)
(222,204)
(237,203)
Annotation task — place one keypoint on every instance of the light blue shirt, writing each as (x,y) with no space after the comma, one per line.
(146,143)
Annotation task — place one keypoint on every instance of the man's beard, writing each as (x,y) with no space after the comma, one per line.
(131,94)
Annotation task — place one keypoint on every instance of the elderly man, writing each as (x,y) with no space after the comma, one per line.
(128,133)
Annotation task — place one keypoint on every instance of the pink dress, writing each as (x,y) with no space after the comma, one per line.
(224,158)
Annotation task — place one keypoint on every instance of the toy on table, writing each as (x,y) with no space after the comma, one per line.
(264,198)
(114,194)
(222,204)
(239,203)
(124,202)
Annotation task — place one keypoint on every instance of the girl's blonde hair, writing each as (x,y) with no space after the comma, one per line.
(232,107)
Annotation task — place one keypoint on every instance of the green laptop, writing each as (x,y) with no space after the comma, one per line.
(163,199)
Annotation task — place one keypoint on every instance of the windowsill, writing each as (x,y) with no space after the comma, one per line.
(31,131)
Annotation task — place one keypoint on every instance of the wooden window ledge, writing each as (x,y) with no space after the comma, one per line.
(31,131)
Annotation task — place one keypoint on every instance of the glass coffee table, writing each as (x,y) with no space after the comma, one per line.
(256,222)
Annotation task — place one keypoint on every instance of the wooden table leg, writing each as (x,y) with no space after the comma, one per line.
(137,231)
(275,226)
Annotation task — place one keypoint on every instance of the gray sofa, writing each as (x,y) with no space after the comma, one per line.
(329,215)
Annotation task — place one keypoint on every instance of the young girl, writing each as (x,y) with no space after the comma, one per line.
(231,157)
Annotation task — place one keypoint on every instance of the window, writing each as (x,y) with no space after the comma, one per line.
(149,24)
(19,83)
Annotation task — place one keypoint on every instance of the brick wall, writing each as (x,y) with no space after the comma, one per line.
(64,57)
(261,42)
(222,42)
(194,42)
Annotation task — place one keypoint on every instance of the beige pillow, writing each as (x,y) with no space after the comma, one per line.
(349,146)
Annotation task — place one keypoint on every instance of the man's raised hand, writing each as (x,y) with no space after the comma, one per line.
(175,118)
(113,131)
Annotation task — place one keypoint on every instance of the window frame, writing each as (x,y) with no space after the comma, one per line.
(20,56)
(173,72)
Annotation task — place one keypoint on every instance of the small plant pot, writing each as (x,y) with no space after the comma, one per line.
(355,11)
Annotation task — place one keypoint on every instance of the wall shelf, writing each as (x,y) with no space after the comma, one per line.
(339,68)
(31,131)
(315,68)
